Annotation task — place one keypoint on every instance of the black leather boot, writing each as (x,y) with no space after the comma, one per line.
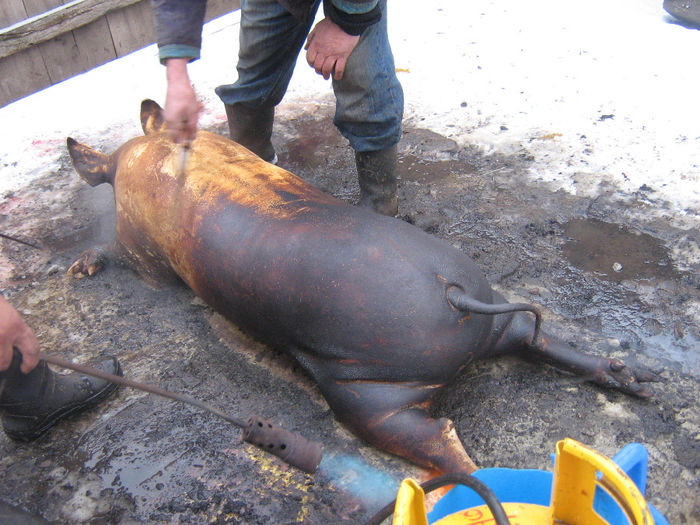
(252,128)
(376,173)
(32,403)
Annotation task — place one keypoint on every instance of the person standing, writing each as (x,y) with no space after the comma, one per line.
(350,45)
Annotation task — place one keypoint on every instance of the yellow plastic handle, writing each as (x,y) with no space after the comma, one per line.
(576,471)
(410,504)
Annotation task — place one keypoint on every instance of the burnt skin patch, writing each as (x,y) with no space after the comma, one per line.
(286,196)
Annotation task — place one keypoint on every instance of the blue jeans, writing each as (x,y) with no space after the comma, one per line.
(369,98)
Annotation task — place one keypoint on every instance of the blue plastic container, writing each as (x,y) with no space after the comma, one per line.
(535,487)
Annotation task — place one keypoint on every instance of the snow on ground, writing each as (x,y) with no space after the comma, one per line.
(603,90)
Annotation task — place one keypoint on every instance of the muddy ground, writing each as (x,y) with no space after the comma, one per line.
(611,279)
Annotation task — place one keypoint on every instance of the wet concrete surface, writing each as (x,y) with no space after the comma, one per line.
(139,458)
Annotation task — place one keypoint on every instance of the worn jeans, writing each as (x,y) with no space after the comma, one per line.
(369,98)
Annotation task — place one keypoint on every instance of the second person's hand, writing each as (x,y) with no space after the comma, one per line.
(328,48)
(14,332)
(182,108)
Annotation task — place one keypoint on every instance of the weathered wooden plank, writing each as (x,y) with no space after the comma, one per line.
(22,74)
(131,27)
(37,7)
(77,13)
(94,44)
(11,12)
(61,56)
(88,46)
(52,23)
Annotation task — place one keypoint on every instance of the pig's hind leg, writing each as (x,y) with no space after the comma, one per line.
(606,371)
(394,417)
(516,331)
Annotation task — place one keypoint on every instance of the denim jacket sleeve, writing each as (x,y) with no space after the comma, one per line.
(178,27)
(353,16)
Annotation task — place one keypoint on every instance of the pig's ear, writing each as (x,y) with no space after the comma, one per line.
(93,166)
(151,117)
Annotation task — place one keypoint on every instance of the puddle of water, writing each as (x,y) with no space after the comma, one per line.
(616,253)
(137,469)
(684,352)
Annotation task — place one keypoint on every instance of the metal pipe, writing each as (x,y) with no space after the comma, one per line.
(26,243)
(291,447)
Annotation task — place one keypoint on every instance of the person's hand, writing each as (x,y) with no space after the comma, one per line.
(182,108)
(328,48)
(14,332)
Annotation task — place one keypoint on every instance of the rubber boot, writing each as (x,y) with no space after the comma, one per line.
(376,173)
(252,128)
(32,403)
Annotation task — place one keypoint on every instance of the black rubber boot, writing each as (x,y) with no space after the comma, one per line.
(252,128)
(376,173)
(32,403)
(686,10)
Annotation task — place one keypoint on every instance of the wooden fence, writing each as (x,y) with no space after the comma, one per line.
(43,42)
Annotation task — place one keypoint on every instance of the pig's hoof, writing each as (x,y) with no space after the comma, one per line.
(88,264)
(614,373)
